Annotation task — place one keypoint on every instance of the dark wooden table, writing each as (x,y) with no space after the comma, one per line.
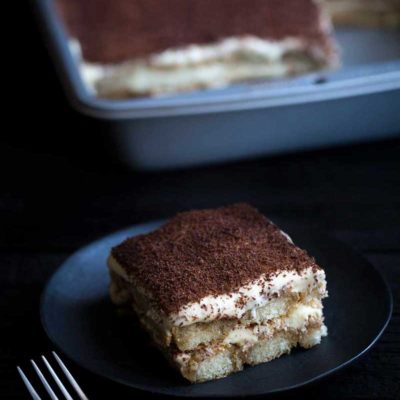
(59,190)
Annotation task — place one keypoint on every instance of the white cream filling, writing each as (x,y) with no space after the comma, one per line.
(250,296)
(137,79)
(141,80)
(247,47)
(297,320)
(313,337)
(240,336)
(300,314)
(228,60)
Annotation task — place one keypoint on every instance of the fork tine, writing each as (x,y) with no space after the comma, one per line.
(71,379)
(44,381)
(28,385)
(55,377)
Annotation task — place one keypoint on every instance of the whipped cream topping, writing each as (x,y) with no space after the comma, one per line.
(246,47)
(250,296)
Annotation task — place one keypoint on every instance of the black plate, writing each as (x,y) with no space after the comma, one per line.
(79,319)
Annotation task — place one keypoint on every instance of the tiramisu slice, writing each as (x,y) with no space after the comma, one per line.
(142,47)
(219,289)
(367,13)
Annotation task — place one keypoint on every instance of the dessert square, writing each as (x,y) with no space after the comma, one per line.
(135,47)
(219,289)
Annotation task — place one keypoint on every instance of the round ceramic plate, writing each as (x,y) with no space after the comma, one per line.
(81,321)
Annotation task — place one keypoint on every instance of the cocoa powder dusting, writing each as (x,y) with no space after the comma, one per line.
(119,30)
(208,252)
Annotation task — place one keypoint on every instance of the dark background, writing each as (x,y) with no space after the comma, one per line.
(60,189)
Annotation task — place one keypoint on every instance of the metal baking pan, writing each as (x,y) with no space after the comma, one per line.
(360,101)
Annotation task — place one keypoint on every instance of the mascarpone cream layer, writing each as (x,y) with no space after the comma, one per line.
(303,320)
(297,319)
(230,59)
(251,296)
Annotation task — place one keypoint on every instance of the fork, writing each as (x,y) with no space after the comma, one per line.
(47,386)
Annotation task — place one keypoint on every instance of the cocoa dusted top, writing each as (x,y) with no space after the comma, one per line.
(117,30)
(208,252)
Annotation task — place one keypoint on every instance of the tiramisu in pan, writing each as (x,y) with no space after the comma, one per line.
(221,288)
(144,47)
